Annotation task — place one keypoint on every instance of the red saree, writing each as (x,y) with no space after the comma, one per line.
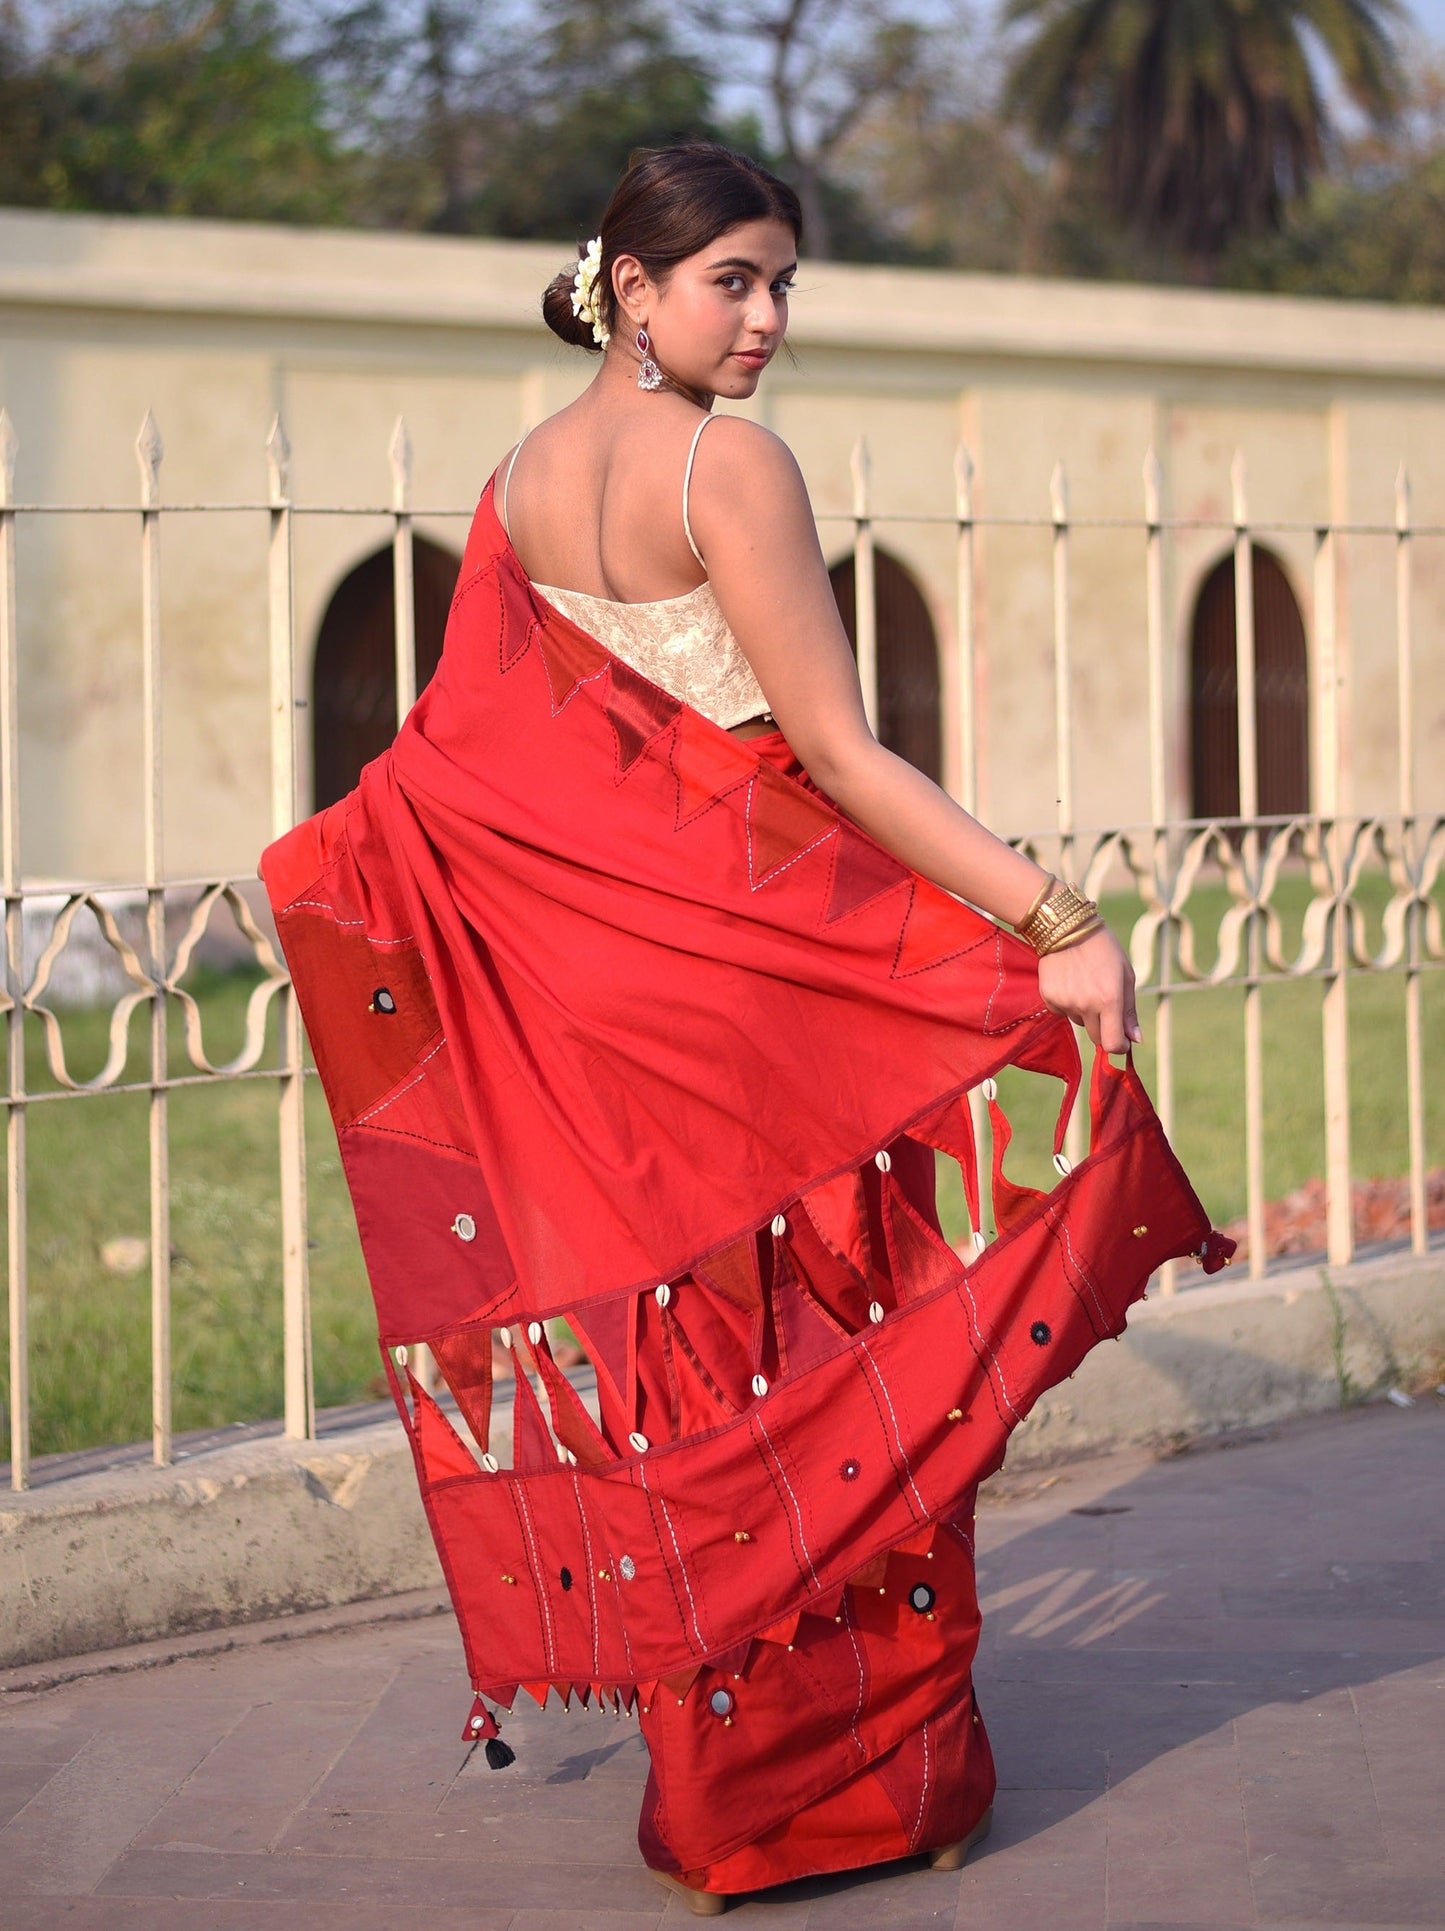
(619,1018)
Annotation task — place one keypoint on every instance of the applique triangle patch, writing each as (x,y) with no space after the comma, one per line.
(443,1452)
(862,871)
(637,712)
(931,931)
(734,1271)
(706,763)
(570,656)
(784,821)
(517,627)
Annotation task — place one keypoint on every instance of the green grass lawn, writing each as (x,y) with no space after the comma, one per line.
(89,1328)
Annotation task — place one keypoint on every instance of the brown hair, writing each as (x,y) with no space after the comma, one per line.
(670,203)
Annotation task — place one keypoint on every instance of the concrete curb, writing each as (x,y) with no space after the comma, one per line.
(248,1531)
(1242,1354)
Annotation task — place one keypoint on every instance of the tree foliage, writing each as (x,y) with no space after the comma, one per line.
(1133,139)
(1202,120)
(181,107)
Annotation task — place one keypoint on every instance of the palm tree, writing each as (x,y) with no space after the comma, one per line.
(1199,120)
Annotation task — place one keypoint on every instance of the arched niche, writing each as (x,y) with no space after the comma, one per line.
(1281,694)
(909,706)
(353,677)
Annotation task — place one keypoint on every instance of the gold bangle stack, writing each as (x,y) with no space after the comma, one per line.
(1060,916)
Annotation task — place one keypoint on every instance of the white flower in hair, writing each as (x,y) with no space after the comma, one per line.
(585,303)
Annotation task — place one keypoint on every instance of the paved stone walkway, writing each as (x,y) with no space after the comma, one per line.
(1214,1685)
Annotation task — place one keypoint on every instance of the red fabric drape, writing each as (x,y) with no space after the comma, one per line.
(618,1016)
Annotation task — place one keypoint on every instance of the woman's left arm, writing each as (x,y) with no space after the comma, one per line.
(753,521)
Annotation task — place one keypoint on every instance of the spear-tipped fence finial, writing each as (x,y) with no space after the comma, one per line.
(149,451)
(278,461)
(9,450)
(1237,490)
(1153,486)
(1059,494)
(963,482)
(860,465)
(399,457)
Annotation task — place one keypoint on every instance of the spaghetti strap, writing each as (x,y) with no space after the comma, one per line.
(686,485)
(507,479)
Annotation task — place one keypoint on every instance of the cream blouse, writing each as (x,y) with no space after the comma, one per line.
(682,644)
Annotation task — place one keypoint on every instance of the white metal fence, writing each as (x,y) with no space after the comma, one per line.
(1165,861)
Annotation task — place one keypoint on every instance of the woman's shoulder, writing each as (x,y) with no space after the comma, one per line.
(746,474)
(742,457)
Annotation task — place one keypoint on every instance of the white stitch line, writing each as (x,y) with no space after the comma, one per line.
(982,1348)
(321,905)
(998,984)
(966,1540)
(558,709)
(775,871)
(897,1431)
(591,1581)
(923,1792)
(537,1581)
(622,1621)
(391,1098)
(662,1502)
(862,1680)
(1079,1268)
(797,1512)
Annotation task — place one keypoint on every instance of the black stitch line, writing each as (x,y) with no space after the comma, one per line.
(786,1512)
(963,1287)
(666,1565)
(591,1579)
(678,820)
(823,923)
(913,971)
(425,1139)
(882,1428)
(1074,1274)
(863,1356)
(526,1543)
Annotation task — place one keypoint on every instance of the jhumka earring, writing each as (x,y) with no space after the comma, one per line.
(649,376)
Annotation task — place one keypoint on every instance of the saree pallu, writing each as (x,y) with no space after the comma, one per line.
(620,1019)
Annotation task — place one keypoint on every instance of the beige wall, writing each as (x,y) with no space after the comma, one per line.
(216,328)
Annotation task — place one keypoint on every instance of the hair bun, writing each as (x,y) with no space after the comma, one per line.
(558,314)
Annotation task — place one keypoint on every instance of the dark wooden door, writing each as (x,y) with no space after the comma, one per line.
(909,720)
(353,683)
(1281,698)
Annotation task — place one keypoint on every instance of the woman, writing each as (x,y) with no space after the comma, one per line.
(640,997)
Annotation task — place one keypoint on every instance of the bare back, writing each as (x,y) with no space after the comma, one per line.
(596,501)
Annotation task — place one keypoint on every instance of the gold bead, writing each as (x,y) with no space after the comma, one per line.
(1139,1232)
(604,1575)
(955,1414)
(741,1535)
(509,1578)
